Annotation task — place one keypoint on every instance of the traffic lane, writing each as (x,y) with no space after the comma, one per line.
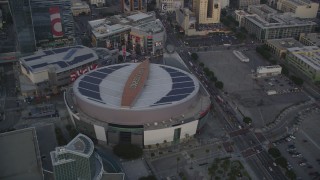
(10,119)
(258,168)
(267,162)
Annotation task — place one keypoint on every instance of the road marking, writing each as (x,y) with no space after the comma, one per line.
(309,138)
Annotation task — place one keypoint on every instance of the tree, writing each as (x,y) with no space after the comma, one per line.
(274,152)
(219,147)
(201,64)
(165,143)
(194,56)
(225,165)
(219,85)
(178,159)
(281,161)
(207,152)
(298,81)
(223,12)
(191,156)
(120,59)
(127,151)
(138,49)
(211,172)
(284,70)
(206,71)
(247,120)
(213,79)
(211,73)
(291,175)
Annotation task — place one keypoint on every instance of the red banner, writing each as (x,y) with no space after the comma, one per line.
(56,26)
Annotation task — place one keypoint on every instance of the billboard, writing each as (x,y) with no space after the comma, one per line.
(56,26)
(164,7)
(74,75)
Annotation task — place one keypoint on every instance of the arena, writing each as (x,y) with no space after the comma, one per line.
(138,103)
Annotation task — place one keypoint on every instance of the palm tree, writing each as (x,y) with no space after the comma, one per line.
(165,143)
(207,151)
(191,156)
(178,159)
(211,172)
(219,147)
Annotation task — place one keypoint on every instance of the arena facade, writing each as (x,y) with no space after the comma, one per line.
(138,103)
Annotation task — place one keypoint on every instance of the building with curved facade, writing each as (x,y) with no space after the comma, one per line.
(138,103)
(77,160)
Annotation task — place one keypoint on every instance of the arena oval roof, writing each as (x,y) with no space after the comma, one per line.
(164,86)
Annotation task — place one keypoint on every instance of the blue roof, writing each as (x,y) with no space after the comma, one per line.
(89,84)
(81,58)
(70,57)
(182,86)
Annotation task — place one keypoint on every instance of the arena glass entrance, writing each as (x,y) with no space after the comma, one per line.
(176,135)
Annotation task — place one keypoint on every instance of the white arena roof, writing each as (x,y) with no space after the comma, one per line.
(165,86)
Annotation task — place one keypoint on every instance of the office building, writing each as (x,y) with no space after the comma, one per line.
(133,5)
(138,103)
(186,20)
(239,16)
(300,8)
(310,39)
(277,26)
(41,21)
(20,155)
(52,19)
(262,10)
(138,32)
(79,7)
(21,15)
(306,60)
(207,11)
(224,3)
(279,47)
(169,5)
(268,71)
(98,3)
(77,160)
(150,36)
(243,4)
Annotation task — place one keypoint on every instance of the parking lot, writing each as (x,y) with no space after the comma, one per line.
(214,39)
(279,85)
(249,94)
(302,151)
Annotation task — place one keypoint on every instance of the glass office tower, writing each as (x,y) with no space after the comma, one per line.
(77,160)
(35,21)
(21,15)
(43,22)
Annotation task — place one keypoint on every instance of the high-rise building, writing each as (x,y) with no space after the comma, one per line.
(306,60)
(169,5)
(300,8)
(207,11)
(52,19)
(77,160)
(133,5)
(243,4)
(277,26)
(224,3)
(21,15)
(38,21)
